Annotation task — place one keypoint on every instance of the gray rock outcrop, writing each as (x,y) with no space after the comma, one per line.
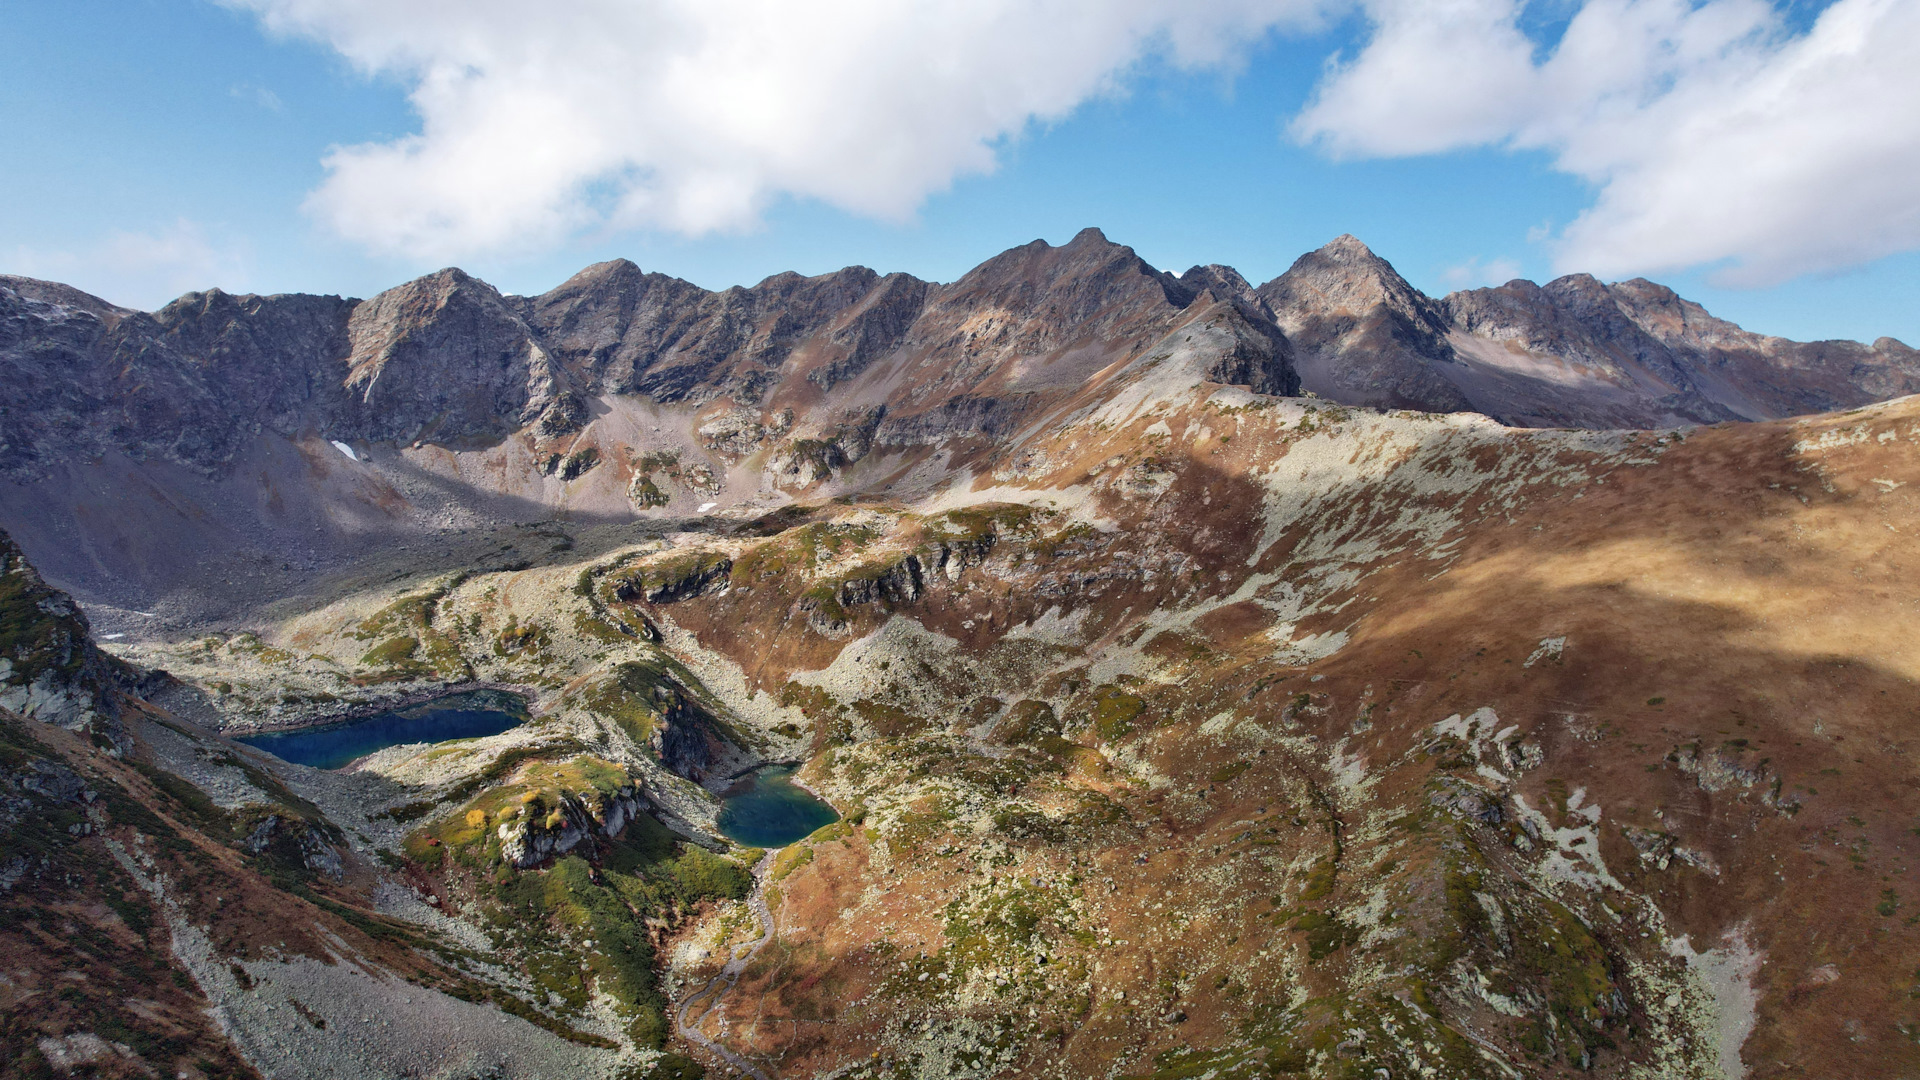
(528,839)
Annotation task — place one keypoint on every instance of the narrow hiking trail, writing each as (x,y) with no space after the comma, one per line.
(688,1022)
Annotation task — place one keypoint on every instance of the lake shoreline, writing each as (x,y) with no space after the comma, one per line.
(339,746)
(368,710)
(770,809)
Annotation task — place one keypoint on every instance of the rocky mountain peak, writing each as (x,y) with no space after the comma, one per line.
(1223,282)
(60,298)
(1361,332)
(1072,284)
(443,356)
(1345,277)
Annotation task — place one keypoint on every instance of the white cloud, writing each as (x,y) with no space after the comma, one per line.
(142,270)
(1475,273)
(694,115)
(1713,135)
(259,95)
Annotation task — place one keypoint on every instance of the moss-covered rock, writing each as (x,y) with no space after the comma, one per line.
(544,812)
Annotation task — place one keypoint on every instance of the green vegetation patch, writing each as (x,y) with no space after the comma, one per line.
(1115,712)
(1320,880)
(1033,723)
(514,639)
(625,697)
(645,494)
(668,578)
(392,652)
(582,926)
(986,522)
(619,965)
(471,834)
(410,646)
(890,721)
(1004,925)
(1325,933)
(579,463)
(791,859)
(1226,774)
(638,694)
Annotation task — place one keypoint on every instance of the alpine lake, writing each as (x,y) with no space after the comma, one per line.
(470,715)
(766,809)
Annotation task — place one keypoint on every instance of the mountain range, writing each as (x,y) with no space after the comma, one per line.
(216,404)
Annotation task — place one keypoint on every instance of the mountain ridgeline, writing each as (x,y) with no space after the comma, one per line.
(447,358)
(623,393)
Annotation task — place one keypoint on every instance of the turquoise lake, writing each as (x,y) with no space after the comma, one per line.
(766,809)
(470,715)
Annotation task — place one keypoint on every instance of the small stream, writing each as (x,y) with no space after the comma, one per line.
(470,715)
(766,809)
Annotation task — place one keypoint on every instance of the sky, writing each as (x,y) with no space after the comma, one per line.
(1759,157)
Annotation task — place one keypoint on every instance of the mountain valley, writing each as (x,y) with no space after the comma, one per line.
(1316,679)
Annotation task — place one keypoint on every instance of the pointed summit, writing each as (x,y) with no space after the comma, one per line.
(1345,275)
(1362,333)
(1347,246)
(1089,237)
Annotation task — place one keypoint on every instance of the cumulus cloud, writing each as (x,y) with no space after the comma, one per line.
(694,115)
(1713,135)
(142,270)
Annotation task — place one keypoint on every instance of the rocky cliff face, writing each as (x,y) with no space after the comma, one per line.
(1572,353)
(539,832)
(50,669)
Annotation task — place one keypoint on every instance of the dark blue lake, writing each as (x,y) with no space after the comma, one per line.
(456,716)
(765,809)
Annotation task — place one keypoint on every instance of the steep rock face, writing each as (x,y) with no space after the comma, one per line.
(1571,353)
(630,332)
(50,669)
(445,358)
(1224,282)
(1783,377)
(1361,334)
(1258,356)
(193,383)
(1565,354)
(530,838)
(1029,327)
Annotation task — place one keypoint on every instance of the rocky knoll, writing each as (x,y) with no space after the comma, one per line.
(50,669)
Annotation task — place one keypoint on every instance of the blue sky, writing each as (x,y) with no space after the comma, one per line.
(160,145)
